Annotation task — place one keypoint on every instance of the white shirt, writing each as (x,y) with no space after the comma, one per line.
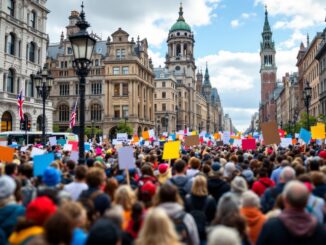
(75,188)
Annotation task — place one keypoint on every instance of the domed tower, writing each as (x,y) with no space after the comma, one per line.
(180,59)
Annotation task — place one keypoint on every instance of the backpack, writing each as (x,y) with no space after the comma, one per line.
(270,201)
(181,189)
(181,228)
(199,217)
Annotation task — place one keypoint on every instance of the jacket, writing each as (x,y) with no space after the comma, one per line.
(217,187)
(320,191)
(269,197)
(261,185)
(26,235)
(173,210)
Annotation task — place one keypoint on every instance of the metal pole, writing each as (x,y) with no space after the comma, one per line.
(308,123)
(43,118)
(81,145)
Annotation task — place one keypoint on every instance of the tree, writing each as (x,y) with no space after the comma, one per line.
(56,128)
(304,121)
(123,127)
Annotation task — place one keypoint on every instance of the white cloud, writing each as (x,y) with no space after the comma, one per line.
(297,36)
(157,59)
(248,15)
(235,23)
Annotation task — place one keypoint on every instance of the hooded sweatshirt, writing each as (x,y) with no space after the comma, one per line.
(261,185)
(173,210)
(255,220)
(217,187)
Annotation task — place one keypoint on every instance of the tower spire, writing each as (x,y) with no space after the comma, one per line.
(206,75)
(181,13)
(267,27)
(308,42)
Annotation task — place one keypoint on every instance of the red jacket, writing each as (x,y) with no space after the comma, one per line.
(261,185)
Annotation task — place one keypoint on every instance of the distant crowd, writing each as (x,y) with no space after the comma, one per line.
(214,195)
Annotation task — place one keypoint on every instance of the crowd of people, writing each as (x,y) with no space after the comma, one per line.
(217,195)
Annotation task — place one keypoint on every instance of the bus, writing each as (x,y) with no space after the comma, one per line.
(25,138)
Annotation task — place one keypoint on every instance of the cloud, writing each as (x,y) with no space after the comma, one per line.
(241,117)
(157,59)
(147,18)
(235,23)
(248,15)
(297,36)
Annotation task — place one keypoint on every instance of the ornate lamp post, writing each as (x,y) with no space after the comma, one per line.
(307,97)
(43,81)
(82,45)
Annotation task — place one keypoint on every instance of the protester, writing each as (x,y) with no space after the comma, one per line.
(223,235)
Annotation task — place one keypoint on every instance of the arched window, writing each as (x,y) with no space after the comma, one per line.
(11,7)
(10,81)
(6,122)
(32,51)
(33,19)
(11,44)
(96,112)
(39,123)
(178,51)
(63,113)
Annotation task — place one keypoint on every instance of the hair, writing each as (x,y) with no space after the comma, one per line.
(115,214)
(10,168)
(80,172)
(71,164)
(147,169)
(296,194)
(111,186)
(167,193)
(318,178)
(125,197)
(157,229)
(250,199)
(179,166)
(227,204)
(287,174)
(76,212)
(94,177)
(224,235)
(26,170)
(194,163)
(199,186)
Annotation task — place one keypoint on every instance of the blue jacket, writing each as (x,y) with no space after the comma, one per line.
(268,199)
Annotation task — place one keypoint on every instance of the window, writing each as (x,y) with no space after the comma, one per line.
(69,50)
(63,113)
(154,96)
(29,88)
(96,62)
(10,81)
(61,64)
(124,111)
(117,89)
(116,70)
(116,111)
(164,107)
(163,95)
(125,70)
(11,40)
(6,122)
(125,89)
(96,88)
(33,19)
(96,112)
(163,84)
(64,89)
(123,53)
(32,49)
(155,107)
(11,7)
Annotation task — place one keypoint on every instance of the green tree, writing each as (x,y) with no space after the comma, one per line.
(56,128)
(89,131)
(123,127)
(304,121)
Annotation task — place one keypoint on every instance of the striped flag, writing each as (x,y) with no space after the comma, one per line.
(73,116)
(20,102)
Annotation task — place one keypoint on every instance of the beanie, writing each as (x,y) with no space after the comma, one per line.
(51,176)
(322,154)
(40,210)
(216,167)
(248,175)
(149,187)
(162,168)
(104,231)
(7,186)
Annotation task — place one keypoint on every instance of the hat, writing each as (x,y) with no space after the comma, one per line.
(40,210)
(149,187)
(229,169)
(239,185)
(309,186)
(248,175)
(216,167)
(7,186)
(164,173)
(162,168)
(51,176)
(104,231)
(322,154)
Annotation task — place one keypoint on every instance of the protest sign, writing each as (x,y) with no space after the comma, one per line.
(270,133)
(171,150)
(41,162)
(6,154)
(192,140)
(126,158)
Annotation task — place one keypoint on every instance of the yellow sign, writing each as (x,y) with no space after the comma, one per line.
(318,132)
(171,150)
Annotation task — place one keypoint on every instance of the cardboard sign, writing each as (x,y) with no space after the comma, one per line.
(305,135)
(237,143)
(217,136)
(171,150)
(285,142)
(41,162)
(6,154)
(87,146)
(61,142)
(270,133)
(192,140)
(36,152)
(318,132)
(126,158)
(248,144)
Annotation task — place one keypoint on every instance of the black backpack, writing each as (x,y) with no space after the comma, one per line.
(199,217)
(181,228)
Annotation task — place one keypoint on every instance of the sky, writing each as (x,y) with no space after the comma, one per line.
(227,37)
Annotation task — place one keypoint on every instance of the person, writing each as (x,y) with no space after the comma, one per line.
(269,197)
(215,184)
(263,182)
(223,235)
(180,179)
(104,231)
(238,186)
(78,185)
(315,205)
(168,199)
(10,211)
(277,172)
(164,173)
(294,226)
(157,229)
(200,205)
(251,212)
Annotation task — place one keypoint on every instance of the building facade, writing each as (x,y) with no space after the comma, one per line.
(22,53)
(184,99)
(321,57)
(268,71)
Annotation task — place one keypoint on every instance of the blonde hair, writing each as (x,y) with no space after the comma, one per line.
(76,211)
(157,229)
(199,186)
(125,197)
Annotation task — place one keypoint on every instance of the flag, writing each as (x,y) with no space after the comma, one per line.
(73,116)
(20,102)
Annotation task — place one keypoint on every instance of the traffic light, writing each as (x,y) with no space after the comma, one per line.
(28,125)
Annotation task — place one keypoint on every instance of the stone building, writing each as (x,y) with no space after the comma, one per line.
(321,57)
(182,98)
(22,53)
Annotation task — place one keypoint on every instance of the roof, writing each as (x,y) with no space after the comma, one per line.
(181,24)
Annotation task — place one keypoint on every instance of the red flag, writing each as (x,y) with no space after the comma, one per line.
(73,116)
(20,102)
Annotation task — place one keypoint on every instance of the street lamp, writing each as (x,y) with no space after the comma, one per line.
(43,82)
(307,97)
(82,46)
(166,121)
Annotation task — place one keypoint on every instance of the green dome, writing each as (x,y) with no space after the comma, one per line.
(180,25)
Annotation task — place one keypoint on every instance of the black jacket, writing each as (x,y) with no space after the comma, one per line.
(275,232)
(217,187)
(269,197)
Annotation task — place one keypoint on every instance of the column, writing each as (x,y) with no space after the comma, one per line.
(130,99)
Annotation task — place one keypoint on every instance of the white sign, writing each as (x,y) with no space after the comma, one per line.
(226,137)
(285,142)
(122,136)
(36,152)
(126,158)
(74,156)
(67,147)
(53,140)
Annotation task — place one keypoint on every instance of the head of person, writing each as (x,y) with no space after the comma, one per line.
(111,186)
(167,193)
(223,235)
(194,163)
(227,205)
(295,195)
(239,185)
(76,212)
(40,210)
(125,197)
(250,200)
(51,177)
(147,169)
(180,166)
(157,229)
(199,186)
(80,172)
(104,231)
(95,177)
(287,174)
(7,189)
